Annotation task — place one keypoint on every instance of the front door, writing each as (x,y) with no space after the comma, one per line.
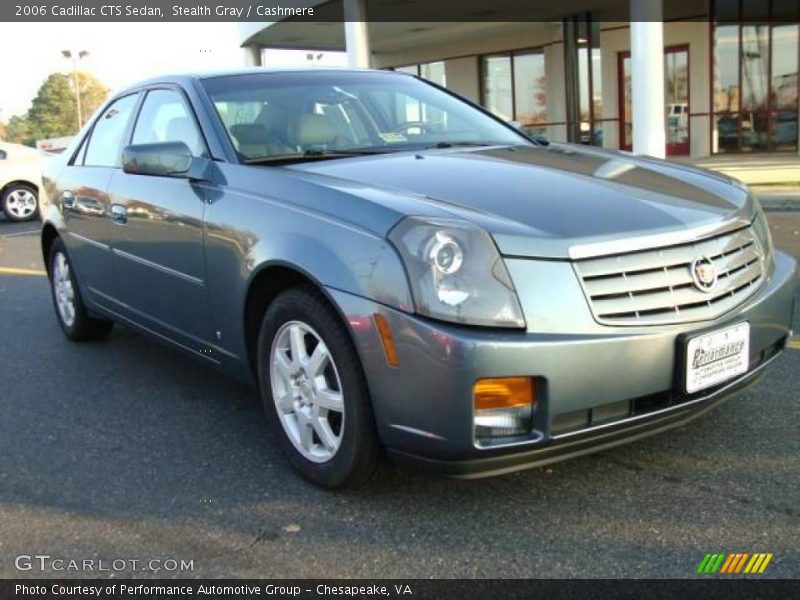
(82,194)
(676,100)
(157,232)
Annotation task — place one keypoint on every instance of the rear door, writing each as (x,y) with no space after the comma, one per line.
(157,231)
(82,194)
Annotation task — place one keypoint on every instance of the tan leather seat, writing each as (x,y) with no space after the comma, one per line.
(254,141)
(311,130)
(183,129)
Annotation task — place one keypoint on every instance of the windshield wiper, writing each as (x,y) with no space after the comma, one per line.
(438,145)
(310,155)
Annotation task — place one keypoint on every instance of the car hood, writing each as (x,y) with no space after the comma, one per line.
(555,201)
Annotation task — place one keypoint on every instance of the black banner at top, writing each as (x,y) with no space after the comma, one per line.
(766,11)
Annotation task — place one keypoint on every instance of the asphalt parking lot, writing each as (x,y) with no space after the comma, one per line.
(125,450)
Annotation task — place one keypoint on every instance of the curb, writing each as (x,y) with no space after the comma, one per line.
(780,202)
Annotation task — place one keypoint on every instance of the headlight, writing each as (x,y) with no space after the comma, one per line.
(761,231)
(456,273)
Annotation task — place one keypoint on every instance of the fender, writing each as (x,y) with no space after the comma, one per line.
(336,254)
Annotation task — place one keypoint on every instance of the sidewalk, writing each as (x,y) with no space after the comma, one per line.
(774,178)
(778,168)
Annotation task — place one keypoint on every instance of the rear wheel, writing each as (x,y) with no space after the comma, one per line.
(20,202)
(75,321)
(314,391)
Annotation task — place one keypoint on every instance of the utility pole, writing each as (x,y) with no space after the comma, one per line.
(75,57)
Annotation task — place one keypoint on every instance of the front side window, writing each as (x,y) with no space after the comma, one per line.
(294,114)
(3,154)
(164,117)
(105,144)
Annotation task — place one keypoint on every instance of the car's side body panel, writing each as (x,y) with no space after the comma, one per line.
(82,198)
(158,255)
(290,224)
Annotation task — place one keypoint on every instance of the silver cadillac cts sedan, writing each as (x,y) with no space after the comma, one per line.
(395,268)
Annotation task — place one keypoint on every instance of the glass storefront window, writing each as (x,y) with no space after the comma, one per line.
(597,91)
(755,72)
(515,88)
(783,79)
(434,72)
(755,67)
(497,86)
(530,91)
(676,92)
(676,100)
(726,133)
(726,68)
(410,69)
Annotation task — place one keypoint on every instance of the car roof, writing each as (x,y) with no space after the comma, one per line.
(188,77)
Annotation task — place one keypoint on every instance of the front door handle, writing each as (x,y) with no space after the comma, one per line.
(67,199)
(119,214)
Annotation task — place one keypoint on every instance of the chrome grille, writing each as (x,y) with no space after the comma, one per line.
(654,287)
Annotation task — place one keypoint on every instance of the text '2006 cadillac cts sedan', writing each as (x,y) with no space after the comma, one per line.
(397,268)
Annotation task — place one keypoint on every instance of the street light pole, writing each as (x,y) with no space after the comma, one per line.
(75,58)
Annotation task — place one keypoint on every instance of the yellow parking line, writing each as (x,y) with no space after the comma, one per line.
(13,271)
(794,343)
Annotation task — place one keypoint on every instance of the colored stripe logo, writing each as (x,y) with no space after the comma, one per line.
(734,563)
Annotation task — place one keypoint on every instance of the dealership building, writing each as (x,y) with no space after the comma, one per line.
(694,78)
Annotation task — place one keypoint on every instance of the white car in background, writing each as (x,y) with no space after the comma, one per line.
(20,181)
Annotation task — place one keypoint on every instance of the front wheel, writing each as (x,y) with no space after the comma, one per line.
(314,391)
(75,321)
(20,202)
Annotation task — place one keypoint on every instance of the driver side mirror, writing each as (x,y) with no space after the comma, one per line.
(163,159)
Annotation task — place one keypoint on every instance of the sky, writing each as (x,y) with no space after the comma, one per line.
(120,54)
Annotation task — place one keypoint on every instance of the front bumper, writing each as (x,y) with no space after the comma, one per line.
(598,386)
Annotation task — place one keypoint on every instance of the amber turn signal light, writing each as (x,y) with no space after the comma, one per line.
(386,337)
(504,392)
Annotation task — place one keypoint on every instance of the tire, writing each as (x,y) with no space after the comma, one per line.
(302,391)
(75,321)
(20,202)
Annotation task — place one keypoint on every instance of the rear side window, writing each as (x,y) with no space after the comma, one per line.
(2,155)
(164,117)
(105,143)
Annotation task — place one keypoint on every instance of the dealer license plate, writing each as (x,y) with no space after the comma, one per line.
(717,357)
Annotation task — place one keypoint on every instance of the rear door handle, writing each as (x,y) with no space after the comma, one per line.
(119,214)
(67,199)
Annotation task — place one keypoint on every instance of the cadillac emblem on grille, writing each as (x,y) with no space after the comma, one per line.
(704,274)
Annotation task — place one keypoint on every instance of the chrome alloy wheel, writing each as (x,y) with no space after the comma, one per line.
(21,203)
(62,289)
(307,391)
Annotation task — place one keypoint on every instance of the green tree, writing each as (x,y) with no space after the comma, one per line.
(53,112)
(18,130)
(93,93)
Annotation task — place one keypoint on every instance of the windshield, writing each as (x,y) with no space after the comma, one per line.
(318,113)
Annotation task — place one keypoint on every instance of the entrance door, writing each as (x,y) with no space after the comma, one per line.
(676,99)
